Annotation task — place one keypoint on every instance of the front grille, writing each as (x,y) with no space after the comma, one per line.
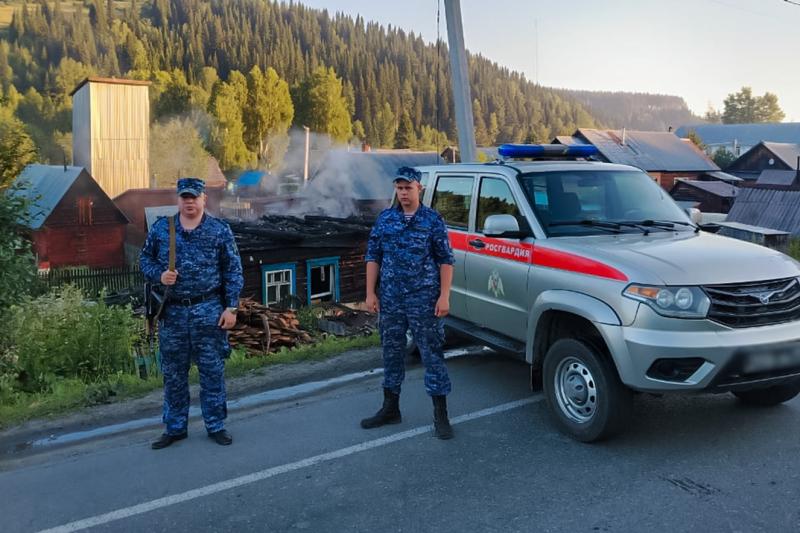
(744,305)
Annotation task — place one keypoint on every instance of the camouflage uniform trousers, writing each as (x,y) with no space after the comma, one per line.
(191,333)
(414,311)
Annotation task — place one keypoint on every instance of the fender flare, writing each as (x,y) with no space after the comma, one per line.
(576,303)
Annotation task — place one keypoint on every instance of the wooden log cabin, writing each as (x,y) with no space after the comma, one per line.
(292,262)
(72,221)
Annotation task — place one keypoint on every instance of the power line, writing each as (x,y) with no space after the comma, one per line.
(791,2)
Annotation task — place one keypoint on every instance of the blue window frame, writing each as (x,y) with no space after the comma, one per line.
(322,279)
(277,282)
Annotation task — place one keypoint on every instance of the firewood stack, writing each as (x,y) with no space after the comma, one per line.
(260,330)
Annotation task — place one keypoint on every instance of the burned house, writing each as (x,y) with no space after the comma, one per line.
(293,262)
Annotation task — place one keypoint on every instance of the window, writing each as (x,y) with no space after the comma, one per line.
(279,282)
(323,280)
(452,199)
(85,205)
(495,198)
(611,196)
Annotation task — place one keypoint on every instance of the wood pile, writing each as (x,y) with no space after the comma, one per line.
(260,330)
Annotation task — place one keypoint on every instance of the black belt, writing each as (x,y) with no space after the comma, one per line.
(194,300)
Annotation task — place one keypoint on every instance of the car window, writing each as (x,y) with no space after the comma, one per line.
(602,195)
(452,199)
(496,198)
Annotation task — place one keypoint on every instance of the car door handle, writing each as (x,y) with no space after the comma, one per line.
(477,243)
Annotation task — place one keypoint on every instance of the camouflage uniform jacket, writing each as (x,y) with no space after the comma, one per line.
(206,259)
(409,253)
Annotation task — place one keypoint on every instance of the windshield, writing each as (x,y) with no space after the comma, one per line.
(582,202)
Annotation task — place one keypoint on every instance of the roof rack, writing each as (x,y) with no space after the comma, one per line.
(547,151)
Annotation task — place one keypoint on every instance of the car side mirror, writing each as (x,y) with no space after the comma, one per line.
(695,215)
(503,226)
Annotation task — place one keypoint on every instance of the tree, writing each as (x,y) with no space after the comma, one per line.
(695,138)
(322,106)
(16,259)
(406,137)
(268,114)
(723,158)
(176,151)
(386,126)
(713,116)
(358,131)
(227,133)
(744,108)
(16,148)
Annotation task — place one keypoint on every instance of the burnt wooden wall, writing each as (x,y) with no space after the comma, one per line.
(352,269)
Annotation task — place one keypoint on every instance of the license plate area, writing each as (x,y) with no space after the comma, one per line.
(769,359)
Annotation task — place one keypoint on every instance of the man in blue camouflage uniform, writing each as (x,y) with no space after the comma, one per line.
(201,303)
(409,251)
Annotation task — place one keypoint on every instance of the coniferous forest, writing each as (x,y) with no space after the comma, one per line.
(231,77)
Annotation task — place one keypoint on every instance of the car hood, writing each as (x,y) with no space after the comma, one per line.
(681,258)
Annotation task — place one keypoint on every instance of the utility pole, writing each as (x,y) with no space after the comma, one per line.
(305,161)
(462,96)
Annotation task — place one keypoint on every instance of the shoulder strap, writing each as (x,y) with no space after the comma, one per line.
(172,243)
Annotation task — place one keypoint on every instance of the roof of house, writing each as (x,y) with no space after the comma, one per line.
(786,152)
(364,175)
(744,134)
(44,186)
(112,81)
(151,214)
(652,151)
(724,176)
(717,188)
(773,176)
(752,229)
(767,208)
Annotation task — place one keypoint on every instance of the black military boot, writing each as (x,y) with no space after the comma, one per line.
(388,414)
(441,424)
(166,440)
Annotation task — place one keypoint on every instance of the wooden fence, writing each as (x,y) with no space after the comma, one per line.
(92,281)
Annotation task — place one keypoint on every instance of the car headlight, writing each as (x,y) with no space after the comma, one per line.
(677,302)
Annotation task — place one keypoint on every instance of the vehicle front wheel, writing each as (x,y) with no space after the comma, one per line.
(584,393)
(769,396)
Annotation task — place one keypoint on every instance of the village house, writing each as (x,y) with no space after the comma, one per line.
(663,155)
(768,164)
(707,196)
(739,138)
(72,220)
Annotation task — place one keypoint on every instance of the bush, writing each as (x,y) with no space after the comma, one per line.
(61,335)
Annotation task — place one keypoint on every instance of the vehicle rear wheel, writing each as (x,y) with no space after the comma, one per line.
(769,396)
(584,393)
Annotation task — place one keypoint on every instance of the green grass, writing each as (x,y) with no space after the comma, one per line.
(70,394)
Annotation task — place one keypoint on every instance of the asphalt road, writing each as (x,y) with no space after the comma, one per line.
(701,463)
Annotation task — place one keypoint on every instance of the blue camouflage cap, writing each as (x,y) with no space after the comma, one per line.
(193,186)
(408,174)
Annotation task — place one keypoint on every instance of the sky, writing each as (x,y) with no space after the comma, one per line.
(701,50)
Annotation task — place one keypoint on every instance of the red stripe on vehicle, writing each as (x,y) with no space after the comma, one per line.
(574,263)
(537,255)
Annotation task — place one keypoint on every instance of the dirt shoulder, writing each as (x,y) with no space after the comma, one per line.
(260,380)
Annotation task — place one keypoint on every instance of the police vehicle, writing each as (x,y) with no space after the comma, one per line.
(591,273)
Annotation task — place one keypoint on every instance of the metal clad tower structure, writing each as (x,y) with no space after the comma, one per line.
(110,132)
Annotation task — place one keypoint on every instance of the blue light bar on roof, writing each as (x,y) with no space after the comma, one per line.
(523,151)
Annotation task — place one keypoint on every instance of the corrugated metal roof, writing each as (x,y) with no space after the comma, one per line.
(751,229)
(717,188)
(724,176)
(787,152)
(652,151)
(744,134)
(365,175)
(772,176)
(45,186)
(768,208)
